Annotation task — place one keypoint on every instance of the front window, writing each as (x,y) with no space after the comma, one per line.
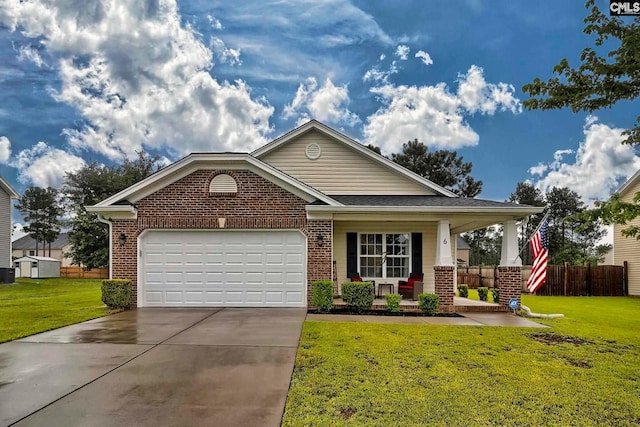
(384,255)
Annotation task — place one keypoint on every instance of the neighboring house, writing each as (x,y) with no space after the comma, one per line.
(232,229)
(26,246)
(628,249)
(462,252)
(6,227)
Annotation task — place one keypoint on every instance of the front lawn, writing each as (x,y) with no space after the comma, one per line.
(31,306)
(582,371)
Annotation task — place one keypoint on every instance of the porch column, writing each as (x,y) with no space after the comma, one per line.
(444,268)
(509,271)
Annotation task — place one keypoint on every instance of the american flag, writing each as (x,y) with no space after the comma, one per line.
(540,248)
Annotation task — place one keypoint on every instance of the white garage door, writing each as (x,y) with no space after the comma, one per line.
(223,268)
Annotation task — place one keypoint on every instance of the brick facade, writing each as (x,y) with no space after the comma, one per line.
(509,284)
(444,287)
(187,204)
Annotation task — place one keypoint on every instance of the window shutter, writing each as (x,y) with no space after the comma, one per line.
(352,253)
(416,253)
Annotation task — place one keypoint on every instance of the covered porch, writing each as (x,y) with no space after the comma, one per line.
(387,239)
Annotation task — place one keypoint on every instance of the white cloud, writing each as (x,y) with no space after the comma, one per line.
(424,57)
(376,74)
(45,166)
(216,24)
(5,149)
(30,53)
(434,114)
(601,163)
(382,56)
(327,103)
(402,52)
(17,232)
(477,95)
(226,55)
(539,169)
(140,78)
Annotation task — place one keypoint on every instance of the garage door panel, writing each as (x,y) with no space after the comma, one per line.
(220,268)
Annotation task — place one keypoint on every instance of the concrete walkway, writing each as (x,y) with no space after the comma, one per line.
(467,319)
(154,367)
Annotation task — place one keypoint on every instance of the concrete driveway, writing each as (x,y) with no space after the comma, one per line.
(154,367)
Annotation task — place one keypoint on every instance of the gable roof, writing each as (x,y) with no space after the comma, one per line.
(354,145)
(28,243)
(8,189)
(631,182)
(121,203)
(36,258)
(462,244)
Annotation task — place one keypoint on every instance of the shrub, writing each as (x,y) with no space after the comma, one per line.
(463,291)
(358,295)
(495,293)
(483,293)
(429,303)
(116,293)
(323,295)
(393,302)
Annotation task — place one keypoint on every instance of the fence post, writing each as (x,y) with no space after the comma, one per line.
(588,280)
(625,278)
(566,278)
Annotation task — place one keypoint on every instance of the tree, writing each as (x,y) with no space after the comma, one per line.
(600,81)
(485,245)
(42,209)
(527,194)
(442,167)
(89,185)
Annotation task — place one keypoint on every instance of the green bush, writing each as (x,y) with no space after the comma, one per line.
(495,293)
(483,293)
(463,291)
(358,296)
(116,293)
(429,303)
(323,295)
(393,302)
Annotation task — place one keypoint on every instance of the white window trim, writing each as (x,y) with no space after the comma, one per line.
(384,244)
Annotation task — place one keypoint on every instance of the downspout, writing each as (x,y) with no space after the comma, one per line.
(528,313)
(106,221)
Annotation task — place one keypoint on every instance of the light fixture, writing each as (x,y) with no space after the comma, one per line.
(122,239)
(320,239)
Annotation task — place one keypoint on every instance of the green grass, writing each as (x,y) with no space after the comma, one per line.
(358,374)
(31,306)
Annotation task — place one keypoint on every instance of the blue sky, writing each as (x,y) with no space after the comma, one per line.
(95,80)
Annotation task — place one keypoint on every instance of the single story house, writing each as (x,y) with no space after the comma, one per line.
(37,267)
(257,229)
(7,193)
(462,252)
(628,248)
(58,249)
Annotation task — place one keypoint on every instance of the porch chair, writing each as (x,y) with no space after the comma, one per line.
(412,287)
(354,277)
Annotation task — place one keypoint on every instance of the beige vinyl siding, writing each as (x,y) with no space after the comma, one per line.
(628,249)
(339,169)
(55,254)
(5,229)
(428,230)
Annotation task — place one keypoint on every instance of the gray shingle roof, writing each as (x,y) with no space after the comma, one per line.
(427,201)
(28,243)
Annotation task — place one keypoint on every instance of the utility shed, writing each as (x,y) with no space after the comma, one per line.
(37,267)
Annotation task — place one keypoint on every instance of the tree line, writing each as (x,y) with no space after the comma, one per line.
(48,210)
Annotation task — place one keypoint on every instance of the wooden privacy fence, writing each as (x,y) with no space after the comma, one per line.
(603,280)
(81,273)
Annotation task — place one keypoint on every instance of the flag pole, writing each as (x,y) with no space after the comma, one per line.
(534,231)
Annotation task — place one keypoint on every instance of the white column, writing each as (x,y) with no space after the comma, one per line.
(510,251)
(443,245)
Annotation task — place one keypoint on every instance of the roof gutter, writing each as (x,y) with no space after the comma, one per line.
(516,210)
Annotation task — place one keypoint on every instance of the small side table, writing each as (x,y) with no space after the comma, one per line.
(390,286)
